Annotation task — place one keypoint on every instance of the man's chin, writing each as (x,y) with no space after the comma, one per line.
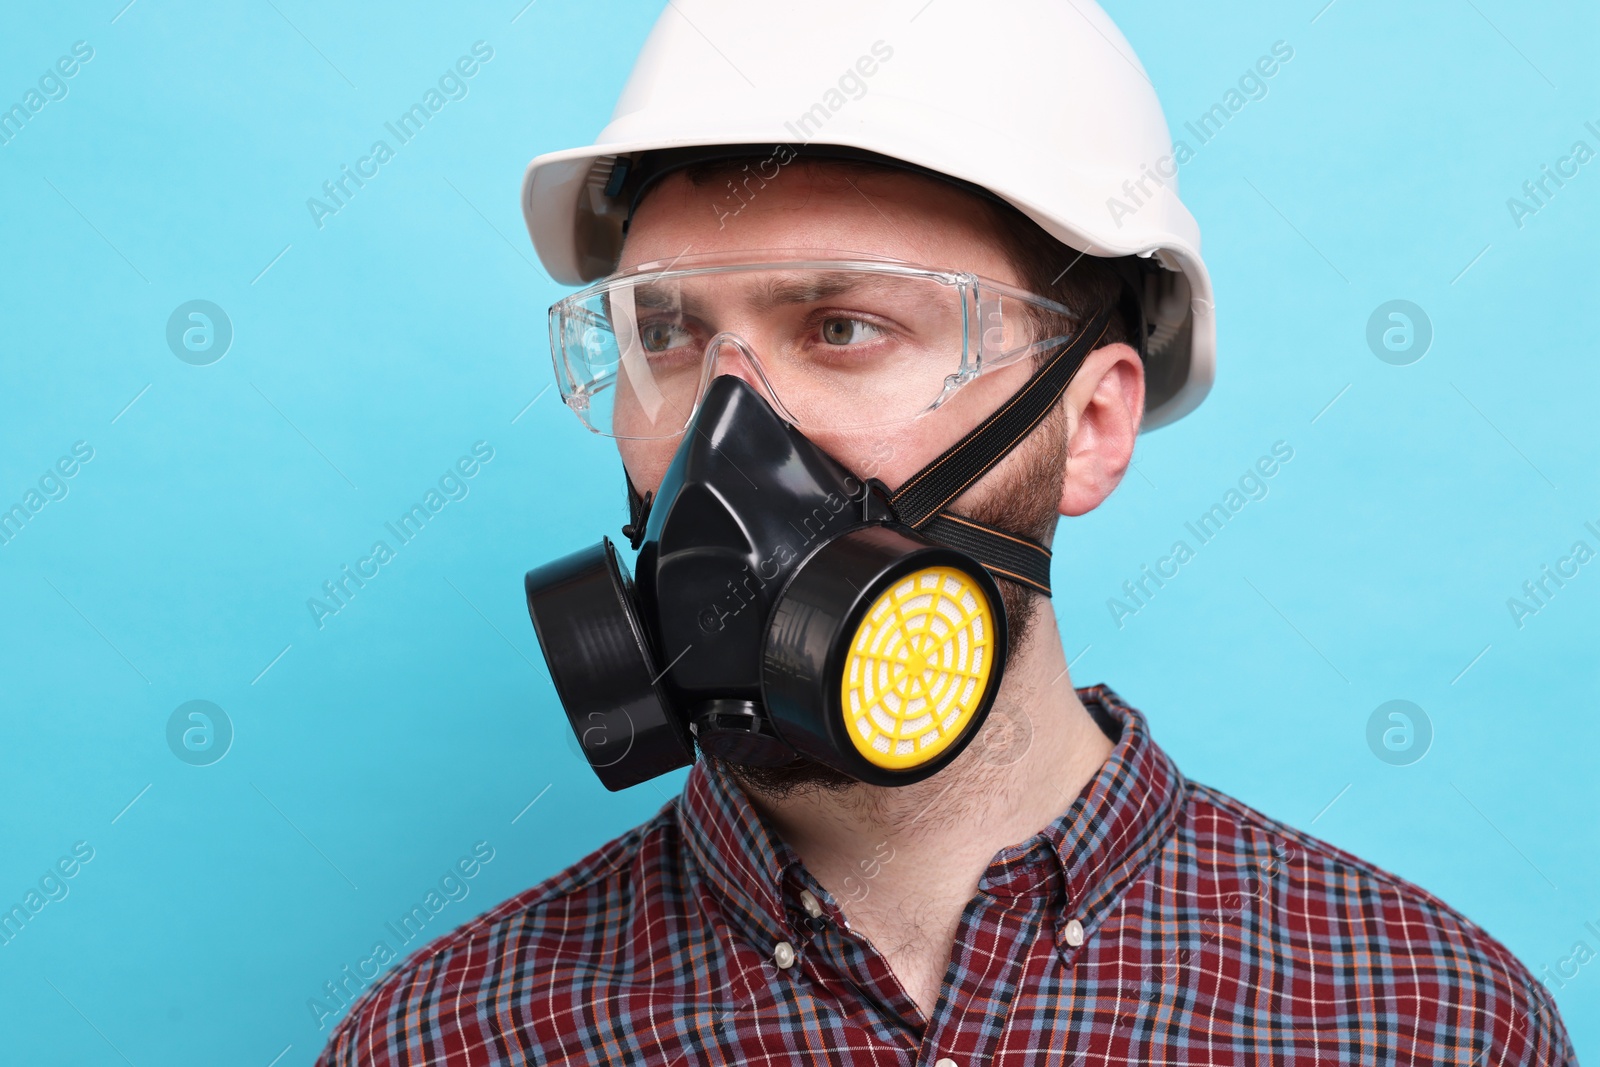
(780,783)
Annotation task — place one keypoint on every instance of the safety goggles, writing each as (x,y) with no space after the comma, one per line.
(835,343)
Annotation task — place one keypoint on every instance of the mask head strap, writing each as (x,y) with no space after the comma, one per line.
(920,502)
(638,511)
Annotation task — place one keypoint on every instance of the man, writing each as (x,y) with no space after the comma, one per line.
(1029,880)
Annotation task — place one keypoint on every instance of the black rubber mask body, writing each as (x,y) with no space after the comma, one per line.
(789,607)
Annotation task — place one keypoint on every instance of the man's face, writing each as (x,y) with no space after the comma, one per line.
(900,216)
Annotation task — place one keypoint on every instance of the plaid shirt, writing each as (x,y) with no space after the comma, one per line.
(1156,921)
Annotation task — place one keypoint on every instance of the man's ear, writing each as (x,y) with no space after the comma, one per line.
(1104,406)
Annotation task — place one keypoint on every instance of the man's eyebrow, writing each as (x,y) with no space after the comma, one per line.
(781,291)
(655,296)
(774,293)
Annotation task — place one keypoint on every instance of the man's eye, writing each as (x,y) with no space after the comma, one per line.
(662,336)
(844,331)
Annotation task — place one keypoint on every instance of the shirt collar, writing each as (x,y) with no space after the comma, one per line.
(1106,836)
(1123,817)
(743,860)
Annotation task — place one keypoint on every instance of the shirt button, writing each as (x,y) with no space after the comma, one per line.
(783,955)
(808,901)
(1074,933)
(945,1061)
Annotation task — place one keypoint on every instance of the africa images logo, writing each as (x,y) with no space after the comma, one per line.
(453,886)
(452,85)
(453,485)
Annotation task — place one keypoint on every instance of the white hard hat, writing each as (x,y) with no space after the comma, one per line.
(1041,102)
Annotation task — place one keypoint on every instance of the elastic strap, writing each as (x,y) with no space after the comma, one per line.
(1005,555)
(920,501)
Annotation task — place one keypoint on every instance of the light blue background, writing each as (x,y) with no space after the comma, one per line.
(372,753)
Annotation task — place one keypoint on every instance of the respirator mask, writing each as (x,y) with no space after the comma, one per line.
(785,605)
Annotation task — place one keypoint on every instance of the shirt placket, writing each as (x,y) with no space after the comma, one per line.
(999,928)
(999,931)
(846,969)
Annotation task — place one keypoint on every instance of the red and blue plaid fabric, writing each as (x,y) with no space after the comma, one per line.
(1156,921)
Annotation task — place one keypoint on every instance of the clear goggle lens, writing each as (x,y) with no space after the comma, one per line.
(835,344)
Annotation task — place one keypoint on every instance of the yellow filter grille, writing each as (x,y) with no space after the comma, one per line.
(918,667)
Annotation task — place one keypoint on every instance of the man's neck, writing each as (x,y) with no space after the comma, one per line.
(903,862)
